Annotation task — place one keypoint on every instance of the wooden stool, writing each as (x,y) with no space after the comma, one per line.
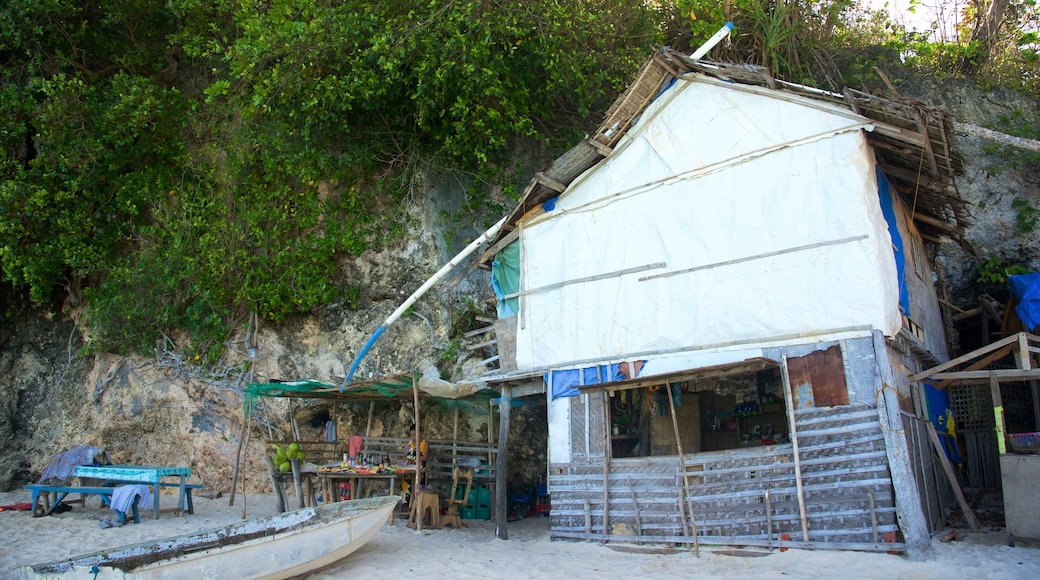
(465,477)
(426,507)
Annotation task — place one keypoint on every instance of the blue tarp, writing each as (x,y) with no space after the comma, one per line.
(1026,290)
(938,403)
(565,383)
(885,196)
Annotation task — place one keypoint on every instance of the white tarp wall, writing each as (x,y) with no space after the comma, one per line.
(711,173)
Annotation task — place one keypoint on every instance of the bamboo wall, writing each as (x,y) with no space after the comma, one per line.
(743,496)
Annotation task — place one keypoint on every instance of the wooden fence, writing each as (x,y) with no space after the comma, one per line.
(743,496)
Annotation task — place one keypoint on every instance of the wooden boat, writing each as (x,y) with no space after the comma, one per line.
(281,546)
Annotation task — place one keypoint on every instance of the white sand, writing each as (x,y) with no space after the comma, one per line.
(474,552)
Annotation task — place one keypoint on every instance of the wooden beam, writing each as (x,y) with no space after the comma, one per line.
(998,414)
(418,457)
(944,462)
(1002,375)
(599,147)
(909,512)
(687,495)
(964,358)
(789,403)
(550,182)
(607,449)
(978,365)
(502,464)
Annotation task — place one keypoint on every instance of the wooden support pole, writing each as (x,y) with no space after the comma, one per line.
(635,506)
(245,463)
(297,483)
(789,400)
(279,497)
(998,414)
(238,458)
(502,465)
(909,513)
(685,476)
(607,448)
(769,519)
(416,490)
(873,517)
(455,439)
(371,412)
(944,462)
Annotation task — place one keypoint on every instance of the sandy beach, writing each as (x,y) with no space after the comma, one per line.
(474,552)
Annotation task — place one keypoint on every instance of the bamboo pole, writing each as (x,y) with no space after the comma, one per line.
(455,438)
(279,497)
(998,414)
(371,411)
(501,464)
(769,519)
(635,506)
(789,400)
(245,465)
(418,456)
(944,462)
(607,449)
(685,476)
(238,458)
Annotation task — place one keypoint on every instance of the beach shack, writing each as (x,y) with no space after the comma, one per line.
(343,465)
(723,294)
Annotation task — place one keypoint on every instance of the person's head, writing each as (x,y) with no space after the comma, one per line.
(411,431)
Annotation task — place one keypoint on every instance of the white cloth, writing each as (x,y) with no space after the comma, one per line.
(123,497)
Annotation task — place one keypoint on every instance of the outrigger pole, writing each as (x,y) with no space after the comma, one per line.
(491,233)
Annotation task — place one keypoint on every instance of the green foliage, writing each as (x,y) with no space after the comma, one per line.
(192,162)
(785,37)
(994,271)
(1026,215)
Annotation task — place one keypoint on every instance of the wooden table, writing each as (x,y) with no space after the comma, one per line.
(328,481)
(148,474)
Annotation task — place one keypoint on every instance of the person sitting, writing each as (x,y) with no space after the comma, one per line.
(416,453)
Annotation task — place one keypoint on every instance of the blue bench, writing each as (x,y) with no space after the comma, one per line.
(185,502)
(60,491)
(104,491)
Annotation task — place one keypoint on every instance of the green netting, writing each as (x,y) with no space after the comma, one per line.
(397,386)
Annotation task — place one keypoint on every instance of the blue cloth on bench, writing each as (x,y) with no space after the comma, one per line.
(123,497)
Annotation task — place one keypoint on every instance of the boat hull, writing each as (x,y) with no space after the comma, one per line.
(283,546)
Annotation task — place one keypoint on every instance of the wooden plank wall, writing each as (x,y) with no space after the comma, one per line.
(847,488)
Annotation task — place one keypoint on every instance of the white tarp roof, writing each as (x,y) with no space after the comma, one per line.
(711,176)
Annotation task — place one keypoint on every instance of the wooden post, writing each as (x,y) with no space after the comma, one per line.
(371,411)
(873,517)
(607,448)
(907,496)
(501,464)
(279,497)
(635,506)
(238,458)
(769,519)
(685,476)
(789,403)
(455,439)
(418,457)
(245,463)
(998,414)
(297,484)
(951,476)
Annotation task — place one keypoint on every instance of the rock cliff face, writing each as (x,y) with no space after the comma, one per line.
(995,176)
(158,408)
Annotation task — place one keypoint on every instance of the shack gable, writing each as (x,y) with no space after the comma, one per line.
(725,214)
